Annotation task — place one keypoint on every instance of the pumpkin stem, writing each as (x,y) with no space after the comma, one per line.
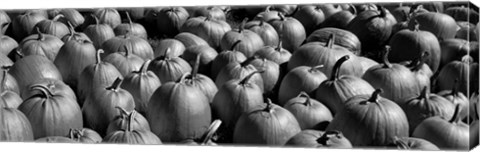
(123,112)
(130,120)
(71,29)
(127,51)
(267,9)
(400,143)
(352,9)
(269,107)
(282,17)
(336,67)
(375,95)
(455,114)
(71,134)
(383,11)
(331,41)
(129,19)
(115,85)
(57,17)
(327,135)
(386,63)
(454,91)
(99,58)
(45,90)
(97,22)
(165,54)
(211,130)
(235,44)
(421,61)
(279,46)
(467,59)
(4,79)
(40,35)
(196,66)
(424,93)
(184,76)
(261,22)
(144,67)
(248,61)
(20,54)
(315,68)
(242,25)
(246,79)
(307,102)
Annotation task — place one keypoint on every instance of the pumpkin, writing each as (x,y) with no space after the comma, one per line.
(334,92)
(123,43)
(224,58)
(96,75)
(289,10)
(9,95)
(55,139)
(99,32)
(125,62)
(250,41)
(343,38)
(130,27)
(73,35)
(178,111)
(310,16)
(228,107)
(207,28)
(330,9)
(466,31)
(302,78)
(266,31)
(131,135)
(465,70)
(409,44)
(70,16)
(310,113)
(238,70)
(15,126)
(22,25)
(462,13)
(292,31)
(455,49)
(5,22)
(317,53)
(397,81)
(319,139)
(141,84)
(275,54)
(120,122)
(473,106)
(32,68)
(270,75)
(84,135)
(202,82)
(188,39)
(169,68)
(7,44)
(176,48)
(426,105)
(373,28)
(40,44)
(170,20)
(207,55)
(51,106)
(78,51)
(150,21)
(422,71)
(412,143)
(207,138)
(457,98)
(136,13)
(364,7)
(53,27)
(439,24)
(100,109)
(378,118)
(474,134)
(443,132)
(109,16)
(215,11)
(268,124)
(340,19)
(366,63)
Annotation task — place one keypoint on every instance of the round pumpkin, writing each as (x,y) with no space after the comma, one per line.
(291,30)
(266,31)
(131,135)
(250,41)
(53,27)
(207,28)
(310,113)
(132,28)
(40,44)
(169,68)
(170,20)
(99,33)
(32,68)
(302,78)
(15,126)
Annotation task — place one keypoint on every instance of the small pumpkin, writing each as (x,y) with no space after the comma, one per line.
(84,135)
(130,27)
(125,62)
(170,20)
(302,78)
(340,19)
(99,32)
(292,31)
(465,70)
(250,41)
(109,16)
(169,68)
(120,122)
(53,27)
(131,135)
(266,31)
(276,53)
(310,113)
(270,75)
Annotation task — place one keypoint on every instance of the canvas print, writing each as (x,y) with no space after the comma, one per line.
(400,75)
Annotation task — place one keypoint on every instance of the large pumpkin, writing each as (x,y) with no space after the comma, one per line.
(343,38)
(207,28)
(178,110)
(15,126)
(441,25)
(31,68)
(377,120)
(51,106)
(40,44)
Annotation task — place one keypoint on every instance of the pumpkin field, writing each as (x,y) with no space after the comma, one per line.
(346,75)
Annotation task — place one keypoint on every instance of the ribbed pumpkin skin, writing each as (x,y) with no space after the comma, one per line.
(176,47)
(441,25)
(188,39)
(223,59)
(215,11)
(310,113)
(266,31)
(292,31)
(238,71)
(465,71)
(310,16)
(169,69)
(137,137)
(343,38)
(85,135)
(207,55)
(170,20)
(31,68)
(44,44)
(52,108)
(55,139)
(52,27)
(120,122)
(124,62)
(5,21)
(9,93)
(71,15)
(377,121)
(455,49)
(444,133)
(251,41)
(109,16)
(141,84)
(178,111)
(7,44)
(213,34)
(135,45)
(302,78)
(14,126)
(99,33)
(22,25)
(80,52)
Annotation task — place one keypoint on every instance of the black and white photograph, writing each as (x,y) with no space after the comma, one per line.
(398,75)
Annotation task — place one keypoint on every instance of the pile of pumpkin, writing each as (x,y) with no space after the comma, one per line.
(328,75)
